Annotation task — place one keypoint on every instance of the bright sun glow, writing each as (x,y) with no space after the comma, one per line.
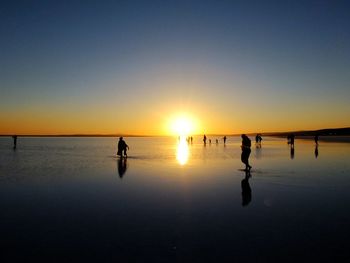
(182,126)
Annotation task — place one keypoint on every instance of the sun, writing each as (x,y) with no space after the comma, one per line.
(182,125)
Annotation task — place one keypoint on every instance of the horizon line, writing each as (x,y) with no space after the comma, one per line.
(148,135)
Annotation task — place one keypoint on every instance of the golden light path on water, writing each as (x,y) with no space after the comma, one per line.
(182,151)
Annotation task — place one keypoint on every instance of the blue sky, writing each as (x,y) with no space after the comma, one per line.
(224,61)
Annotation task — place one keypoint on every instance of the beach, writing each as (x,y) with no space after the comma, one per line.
(73,199)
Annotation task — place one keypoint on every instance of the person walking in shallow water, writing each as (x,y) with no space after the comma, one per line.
(246,144)
(291,138)
(122,146)
(316,139)
(205,139)
(258,139)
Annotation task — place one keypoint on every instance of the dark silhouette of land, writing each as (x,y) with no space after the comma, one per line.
(323,132)
(331,135)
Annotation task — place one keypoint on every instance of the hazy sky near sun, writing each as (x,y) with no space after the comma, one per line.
(133,66)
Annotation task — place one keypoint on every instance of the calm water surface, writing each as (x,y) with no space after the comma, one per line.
(71,199)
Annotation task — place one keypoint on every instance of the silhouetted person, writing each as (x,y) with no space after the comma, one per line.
(191,139)
(122,147)
(316,139)
(258,140)
(209,141)
(246,144)
(217,141)
(291,138)
(246,190)
(205,139)
(316,151)
(14,137)
(122,166)
(224,139)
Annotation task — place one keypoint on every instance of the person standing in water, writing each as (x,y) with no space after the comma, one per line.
(122,147)
(224,139)
(258,140)
(205,139)
(290,139)
(316,139)
(14,137)
(246,144)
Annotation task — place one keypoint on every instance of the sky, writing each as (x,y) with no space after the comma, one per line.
(136,67)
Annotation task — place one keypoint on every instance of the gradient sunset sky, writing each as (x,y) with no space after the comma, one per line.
(135,66)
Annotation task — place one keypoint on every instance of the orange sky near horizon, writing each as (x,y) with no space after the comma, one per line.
(159,121)
(153,110)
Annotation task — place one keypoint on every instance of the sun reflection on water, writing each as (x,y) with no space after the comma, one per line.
(182,151)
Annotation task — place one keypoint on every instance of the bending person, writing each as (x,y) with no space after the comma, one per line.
(122,147)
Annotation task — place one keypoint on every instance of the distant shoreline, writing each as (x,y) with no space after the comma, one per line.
(336,132)
(322,138)
(322,132)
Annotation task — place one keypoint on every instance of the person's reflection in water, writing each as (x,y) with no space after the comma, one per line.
(258,151)
(291,152)
(316,151)
(246,190)
(122,166)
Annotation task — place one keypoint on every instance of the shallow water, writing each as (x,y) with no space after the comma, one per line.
(71,199)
